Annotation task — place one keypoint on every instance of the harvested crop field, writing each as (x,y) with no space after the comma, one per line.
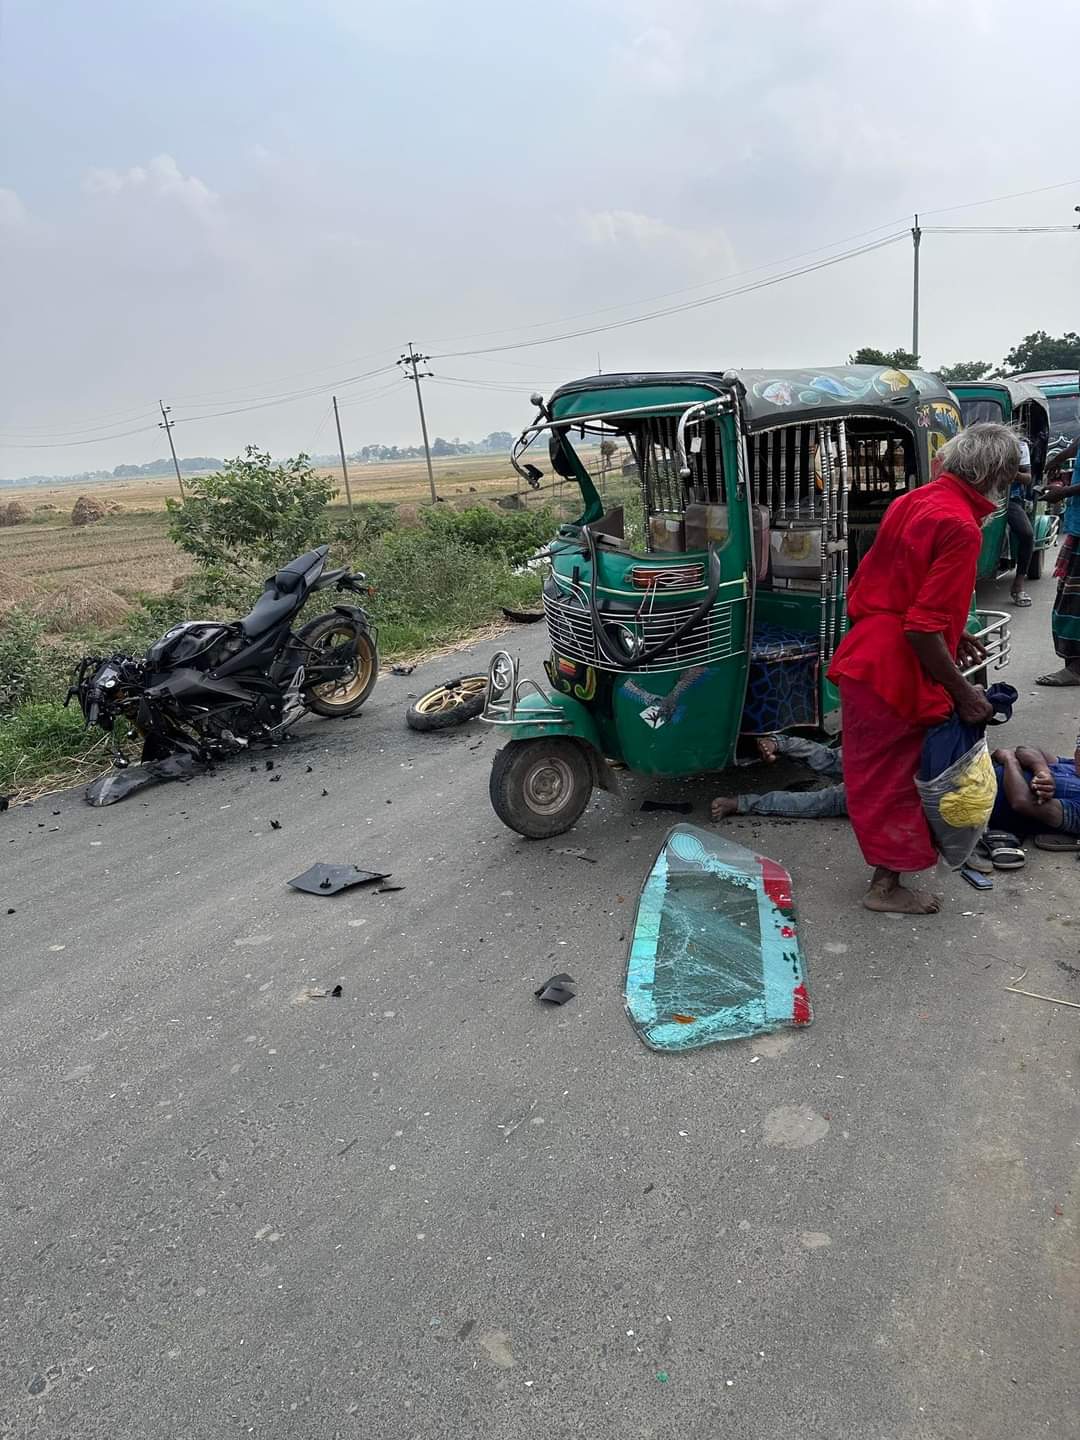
(129,554)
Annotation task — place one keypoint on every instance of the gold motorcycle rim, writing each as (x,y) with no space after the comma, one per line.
(449,697)
(349,687)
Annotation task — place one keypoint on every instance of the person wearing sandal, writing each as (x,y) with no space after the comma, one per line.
(1019,522)
(1065,618)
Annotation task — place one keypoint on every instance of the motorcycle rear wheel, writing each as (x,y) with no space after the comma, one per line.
(347,695)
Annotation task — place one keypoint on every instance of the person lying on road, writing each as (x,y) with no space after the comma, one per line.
(1038,794)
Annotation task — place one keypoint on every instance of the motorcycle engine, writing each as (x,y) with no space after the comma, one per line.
(197,644)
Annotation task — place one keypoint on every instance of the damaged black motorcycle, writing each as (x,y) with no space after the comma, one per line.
(208,689)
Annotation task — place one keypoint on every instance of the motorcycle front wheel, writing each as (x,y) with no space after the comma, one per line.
(346,695)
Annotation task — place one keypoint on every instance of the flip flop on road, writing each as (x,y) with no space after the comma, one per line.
(1057,840)
(1003,850)
(1021,600)
(1060,679)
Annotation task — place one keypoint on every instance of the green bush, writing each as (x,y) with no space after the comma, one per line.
(431,589)
(23,669)
(42,738)
(253,516)
(515,535)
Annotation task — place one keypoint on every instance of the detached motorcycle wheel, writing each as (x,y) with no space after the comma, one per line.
(449,704)
(540,788)
(344,696)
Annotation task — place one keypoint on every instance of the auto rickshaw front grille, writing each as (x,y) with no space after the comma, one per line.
(570,629)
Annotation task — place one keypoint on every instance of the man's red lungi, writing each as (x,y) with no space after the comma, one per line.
(882,752)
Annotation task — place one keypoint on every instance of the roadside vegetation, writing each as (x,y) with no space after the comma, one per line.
(440,574)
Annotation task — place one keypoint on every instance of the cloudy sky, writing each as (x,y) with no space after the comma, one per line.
(226,202)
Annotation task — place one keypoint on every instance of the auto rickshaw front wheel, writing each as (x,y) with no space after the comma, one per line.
(540,788)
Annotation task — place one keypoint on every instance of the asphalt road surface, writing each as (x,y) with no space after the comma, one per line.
(434,1207)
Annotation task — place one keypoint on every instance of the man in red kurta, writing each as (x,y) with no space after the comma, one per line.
(896,667)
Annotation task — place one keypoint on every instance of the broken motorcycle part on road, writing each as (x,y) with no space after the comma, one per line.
(714,953)
(324,879)
(449,704)
(556,991)
(119,784)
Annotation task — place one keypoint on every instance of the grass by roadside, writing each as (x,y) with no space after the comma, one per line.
(436,584)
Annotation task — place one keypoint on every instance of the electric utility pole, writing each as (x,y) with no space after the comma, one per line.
(916,240)
(167,425)
(409,362)
(341,448)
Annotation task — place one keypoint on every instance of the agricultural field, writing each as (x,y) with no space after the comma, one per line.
(129,552)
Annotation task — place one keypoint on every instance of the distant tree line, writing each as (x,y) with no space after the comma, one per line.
(497,443)
(1037,351)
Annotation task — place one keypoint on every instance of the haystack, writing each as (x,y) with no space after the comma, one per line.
(46,506)
(87,511)
(80,606)
(13,591)
(17,512)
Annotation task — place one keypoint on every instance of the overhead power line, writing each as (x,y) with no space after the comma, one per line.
(686,305)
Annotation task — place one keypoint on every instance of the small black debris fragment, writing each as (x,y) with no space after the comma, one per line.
(323,879)
(556,991)
(309,768)
(402,669)
(11,910)
(269,764)
(5,801)
(335,993)
(275,824)
(389,889)
(325,793)
(273,778)
(673,807)
(577,853)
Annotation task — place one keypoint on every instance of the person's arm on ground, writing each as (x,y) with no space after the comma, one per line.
(1019,795)
(1038,762)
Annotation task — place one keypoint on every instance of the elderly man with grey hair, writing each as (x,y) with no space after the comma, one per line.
(899,666)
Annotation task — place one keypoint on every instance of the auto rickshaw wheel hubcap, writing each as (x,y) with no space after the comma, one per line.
(548,786)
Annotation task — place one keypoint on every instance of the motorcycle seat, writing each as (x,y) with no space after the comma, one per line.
(290,577)
(269,610)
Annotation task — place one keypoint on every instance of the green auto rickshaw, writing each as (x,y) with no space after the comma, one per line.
(708,604)
(1012,402)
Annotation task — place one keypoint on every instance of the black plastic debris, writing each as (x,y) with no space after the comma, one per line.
(670,807)
(274,777)
(523,617)
(402,669)
(324,879)
(389,889)
(119,784)
(577,853)
(309,768)
(325,793)
(335,993)
(275,824)
(5,801)
(556,991)
(269,764)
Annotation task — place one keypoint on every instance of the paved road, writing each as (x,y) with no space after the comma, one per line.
(435,1208)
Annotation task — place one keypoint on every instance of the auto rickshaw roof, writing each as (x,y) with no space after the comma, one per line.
(1020,392)
(1052,382)
(772,397)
